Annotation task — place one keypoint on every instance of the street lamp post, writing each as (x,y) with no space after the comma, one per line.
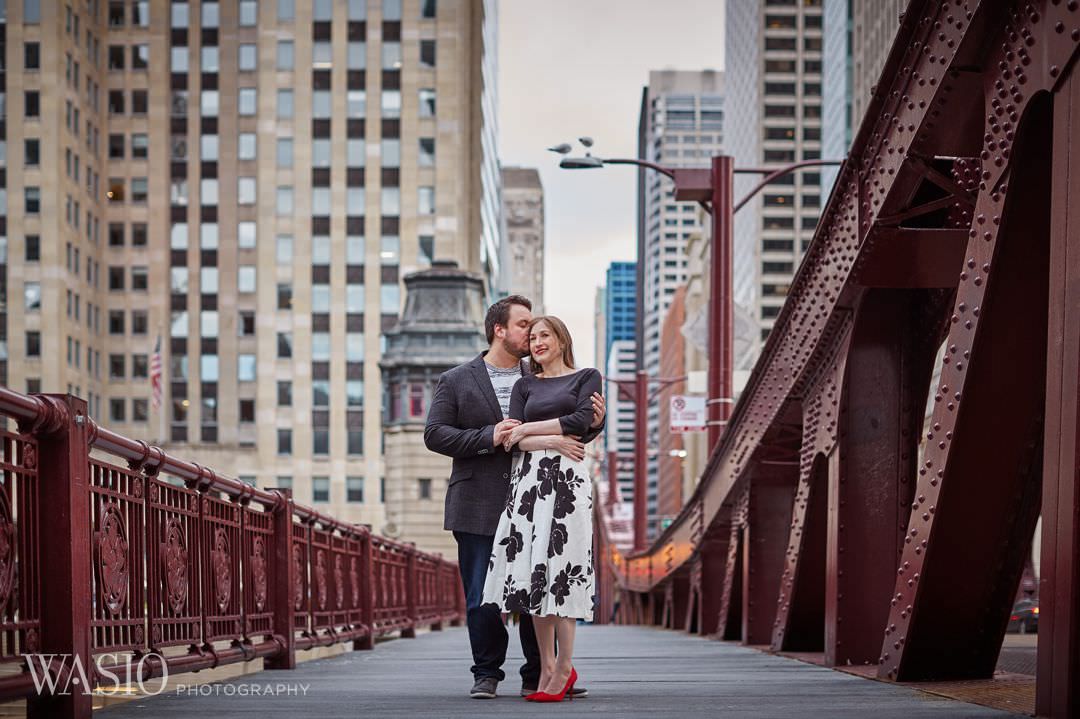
(638,393)
(712,188)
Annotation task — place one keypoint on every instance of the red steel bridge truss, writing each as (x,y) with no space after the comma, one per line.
(836,515)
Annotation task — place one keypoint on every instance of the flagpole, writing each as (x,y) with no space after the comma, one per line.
(162,406)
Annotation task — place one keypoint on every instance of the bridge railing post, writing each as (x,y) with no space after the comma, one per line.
(367,591)
(412,591)
(284,585)
(64,522)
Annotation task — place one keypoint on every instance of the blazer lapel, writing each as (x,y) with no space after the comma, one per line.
(480,374)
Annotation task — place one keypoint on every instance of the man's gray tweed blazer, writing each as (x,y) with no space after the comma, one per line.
(461,424)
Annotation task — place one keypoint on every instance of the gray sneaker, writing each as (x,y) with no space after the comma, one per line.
(484,688)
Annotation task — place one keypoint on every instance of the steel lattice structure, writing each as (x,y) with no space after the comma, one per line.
(826,519)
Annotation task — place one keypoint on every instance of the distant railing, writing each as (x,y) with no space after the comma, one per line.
(161,566)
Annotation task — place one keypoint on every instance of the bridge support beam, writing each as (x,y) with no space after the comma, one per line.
(872,476)
(713,560)
(1058,692)
(284,585)
(765,534)
(978,490)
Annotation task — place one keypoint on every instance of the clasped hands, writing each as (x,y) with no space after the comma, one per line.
(510,432)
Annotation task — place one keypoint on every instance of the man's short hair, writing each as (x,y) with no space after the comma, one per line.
(499,314)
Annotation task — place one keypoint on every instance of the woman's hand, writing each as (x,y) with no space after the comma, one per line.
(515,435)
(568,445)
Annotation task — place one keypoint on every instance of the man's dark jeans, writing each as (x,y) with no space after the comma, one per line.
(487,634)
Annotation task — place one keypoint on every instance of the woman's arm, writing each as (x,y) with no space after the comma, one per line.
(578,422)
(572,447)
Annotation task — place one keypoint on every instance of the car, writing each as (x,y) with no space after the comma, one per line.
(1025,617)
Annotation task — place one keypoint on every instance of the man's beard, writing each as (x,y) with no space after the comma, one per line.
(516,351)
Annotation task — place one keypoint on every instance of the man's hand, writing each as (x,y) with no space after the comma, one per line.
(569,445)
(513,436)
(598,409)
(502,430)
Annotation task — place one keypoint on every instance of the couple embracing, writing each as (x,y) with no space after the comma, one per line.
(519,501)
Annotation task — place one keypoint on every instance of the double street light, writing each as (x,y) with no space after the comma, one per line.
(711,187)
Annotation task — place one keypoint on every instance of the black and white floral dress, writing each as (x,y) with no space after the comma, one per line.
(542,561)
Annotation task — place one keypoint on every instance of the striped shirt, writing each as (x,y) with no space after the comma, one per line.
(503,380)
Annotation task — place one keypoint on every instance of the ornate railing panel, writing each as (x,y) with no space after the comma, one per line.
(162,553)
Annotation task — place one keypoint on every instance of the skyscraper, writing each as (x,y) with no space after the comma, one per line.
(857,40)
(620,306)
(523,208)
(250,180)
(617,358)
(774,62)
(681,124)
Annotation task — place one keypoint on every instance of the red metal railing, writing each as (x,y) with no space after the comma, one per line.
(140,554)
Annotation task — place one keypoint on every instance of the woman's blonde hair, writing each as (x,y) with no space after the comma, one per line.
(558,328)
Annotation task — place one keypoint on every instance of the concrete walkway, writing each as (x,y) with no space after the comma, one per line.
(629,671)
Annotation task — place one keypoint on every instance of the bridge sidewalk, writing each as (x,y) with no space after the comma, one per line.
(629,671)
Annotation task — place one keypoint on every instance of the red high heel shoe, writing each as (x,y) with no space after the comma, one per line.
(567,691)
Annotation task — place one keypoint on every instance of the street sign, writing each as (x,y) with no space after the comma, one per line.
(687,413)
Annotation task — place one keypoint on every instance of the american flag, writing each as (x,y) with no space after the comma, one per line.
(155,375)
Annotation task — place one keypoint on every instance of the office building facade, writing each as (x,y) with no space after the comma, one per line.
(681,124)
(523,208)
(247,181)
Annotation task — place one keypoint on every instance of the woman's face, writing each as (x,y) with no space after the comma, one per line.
(543,345)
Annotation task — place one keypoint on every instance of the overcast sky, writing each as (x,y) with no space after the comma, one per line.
(577,67)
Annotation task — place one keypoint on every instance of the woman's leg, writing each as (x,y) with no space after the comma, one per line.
(565,629)
(545,637)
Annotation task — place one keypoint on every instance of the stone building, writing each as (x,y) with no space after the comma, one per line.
(441,326)
(523,207)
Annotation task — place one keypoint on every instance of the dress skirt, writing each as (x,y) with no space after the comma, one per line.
(542,561)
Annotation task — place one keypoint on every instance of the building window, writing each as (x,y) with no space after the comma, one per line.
(32,103)
(322,56)
(246,369)
(426,201)
(139,279)
(139,189)
(209,100)
(247,323)
(391,103)
(179,14)
(140,57)
(356,103)
(31,11)
(389,250)
(140,149)
(32,200)
(116,57)
(285,152)
(390,299)
(33,248)
(284,441)
(247,57)
(140,410)
(33,344)
(208,191)
(116,102)
(427,152)
(286,10)
(427,102)
(245,191)
(249,13)
(178,58)
(117,366)
(246,146)
(320,489)
(284,393)
(284,296)
(354,489)
(245,279)
(284,204)
(31,152)
(391,9)
(247,102)
(284,345)
(427,53)
(357,9)
(424,488)
(356,55)
(391,201)
(285,104)
(140,366)
(427,249)
(116,410)
(286,56)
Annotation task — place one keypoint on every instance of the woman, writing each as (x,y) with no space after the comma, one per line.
(542,563)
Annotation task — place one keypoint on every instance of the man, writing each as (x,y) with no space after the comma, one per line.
(468,421)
